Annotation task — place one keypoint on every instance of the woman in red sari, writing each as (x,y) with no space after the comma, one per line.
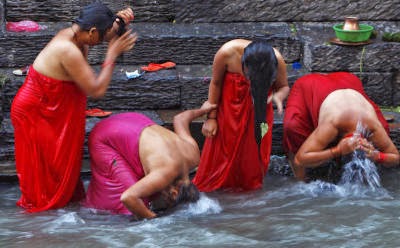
(246,76)
(48,112)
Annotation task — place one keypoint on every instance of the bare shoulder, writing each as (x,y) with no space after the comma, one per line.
(156,147)
(236,44)
(62,47)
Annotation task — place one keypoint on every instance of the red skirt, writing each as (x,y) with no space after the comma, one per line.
(48,116)
(231,160)
(304,102)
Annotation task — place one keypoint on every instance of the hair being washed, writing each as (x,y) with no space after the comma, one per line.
(96,15)
(259,65)
(188,193)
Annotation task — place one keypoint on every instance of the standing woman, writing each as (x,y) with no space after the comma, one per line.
(247,75)
(48,112)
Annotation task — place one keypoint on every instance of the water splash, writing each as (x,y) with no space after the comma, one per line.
(204,205)
(360,177)
(361,170)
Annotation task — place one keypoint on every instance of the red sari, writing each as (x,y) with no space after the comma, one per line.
(48,116)
(304,102)
(231,160)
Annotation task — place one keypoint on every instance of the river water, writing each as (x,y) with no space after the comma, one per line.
(285,213)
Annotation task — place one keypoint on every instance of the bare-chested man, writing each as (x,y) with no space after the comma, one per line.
(323,112)
(132,159)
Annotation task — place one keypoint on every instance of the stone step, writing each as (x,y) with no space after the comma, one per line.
(161,117)
(183,87)
(196,44)
(182,43)
(191,11)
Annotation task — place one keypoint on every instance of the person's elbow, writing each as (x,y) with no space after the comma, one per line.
(96,93)
(127,199)
(298,161)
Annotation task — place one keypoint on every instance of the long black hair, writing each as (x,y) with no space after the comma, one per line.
(96,15)
(260,66)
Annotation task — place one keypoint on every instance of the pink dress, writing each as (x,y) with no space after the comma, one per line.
(114,160)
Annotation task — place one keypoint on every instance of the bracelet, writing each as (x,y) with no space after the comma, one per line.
(107,63)
(381,157)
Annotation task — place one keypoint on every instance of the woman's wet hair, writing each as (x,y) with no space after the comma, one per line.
(188,193)
(259,65)
(96,15)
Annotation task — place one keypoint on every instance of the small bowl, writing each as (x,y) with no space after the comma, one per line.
(360,35)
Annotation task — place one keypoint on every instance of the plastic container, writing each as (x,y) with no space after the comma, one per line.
(360,35)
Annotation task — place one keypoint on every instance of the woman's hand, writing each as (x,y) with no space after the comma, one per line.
(370,151)
(347,145)
(121,44)
(126,15)
(210,127)
(278,102)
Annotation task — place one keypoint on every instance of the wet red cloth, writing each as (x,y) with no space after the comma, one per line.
(48,116)
(230,160)
(304,102)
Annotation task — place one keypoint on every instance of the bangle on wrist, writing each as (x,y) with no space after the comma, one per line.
(381,157)
(107,63)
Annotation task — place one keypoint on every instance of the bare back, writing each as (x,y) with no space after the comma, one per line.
(163,150)
(339,115)
(345,108)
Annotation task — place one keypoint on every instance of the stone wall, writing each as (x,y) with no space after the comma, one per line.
(189,32)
